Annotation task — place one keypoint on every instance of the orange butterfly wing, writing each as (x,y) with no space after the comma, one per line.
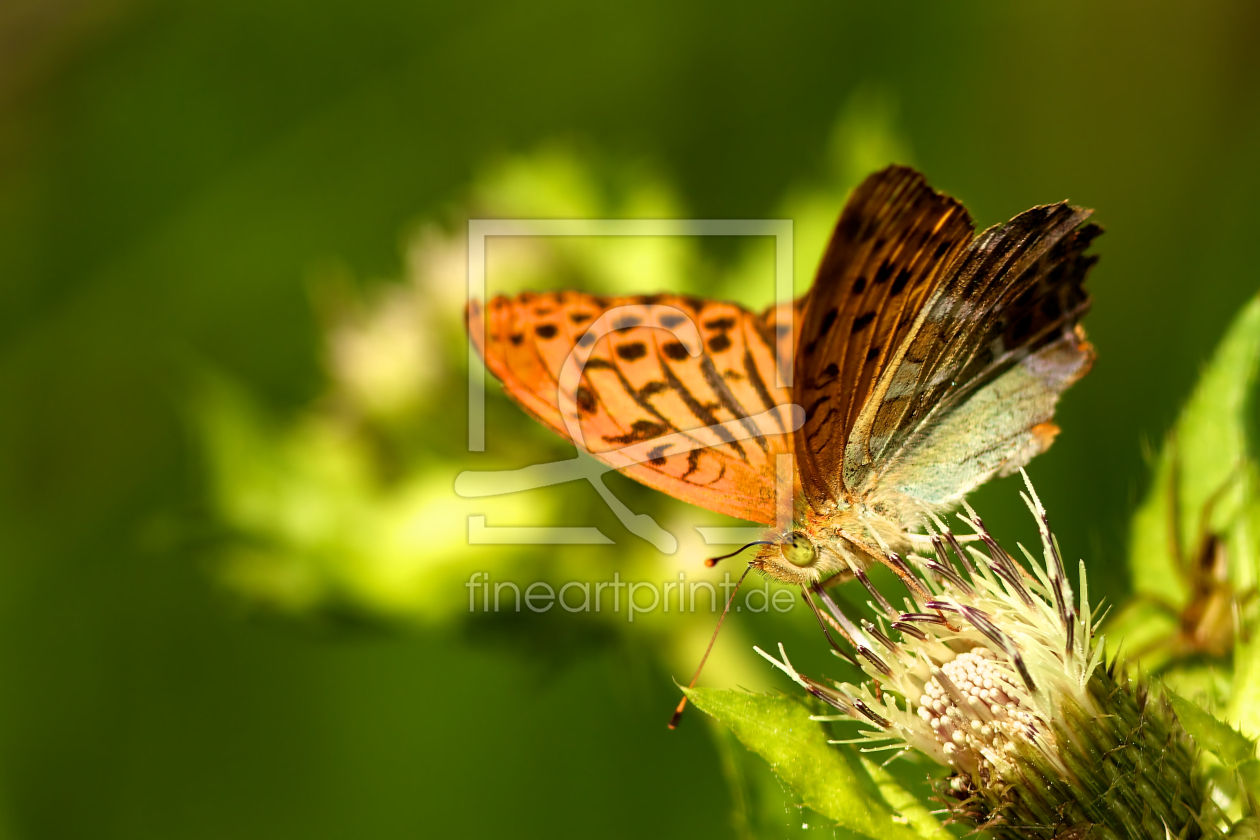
(619,376)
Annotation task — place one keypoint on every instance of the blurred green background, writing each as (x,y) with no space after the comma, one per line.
(187,190)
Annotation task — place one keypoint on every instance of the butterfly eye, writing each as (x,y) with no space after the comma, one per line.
(798,550)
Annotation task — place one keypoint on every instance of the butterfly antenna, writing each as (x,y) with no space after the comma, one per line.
(713,561)
(682,704)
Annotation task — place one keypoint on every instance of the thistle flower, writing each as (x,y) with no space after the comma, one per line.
(999,676)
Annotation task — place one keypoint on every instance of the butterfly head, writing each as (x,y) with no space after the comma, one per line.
(787,557)
(795,557)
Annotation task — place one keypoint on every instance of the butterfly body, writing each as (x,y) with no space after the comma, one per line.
(850,533)
(926,360)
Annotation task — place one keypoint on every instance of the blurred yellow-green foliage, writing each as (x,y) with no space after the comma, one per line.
(232,370)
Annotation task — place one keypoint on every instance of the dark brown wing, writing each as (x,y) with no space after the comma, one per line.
(1018,290)
(890,249)
(706,428)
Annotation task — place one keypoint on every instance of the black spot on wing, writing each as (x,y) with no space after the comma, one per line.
(585,400)
(884,271)
(719,343)
(671,321)
(862,321)
(640,431)
(859,285)
(545,330)
(850,226)
(626,322)
(720,324)
(656,455)
(693,462)
(809,412)
(632,351)
(652,389)
(675,350)
(580,317)
(821,436)
(516,339)
(827,321)
(903,277)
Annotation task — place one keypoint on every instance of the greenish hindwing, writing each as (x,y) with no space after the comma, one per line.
(998,430)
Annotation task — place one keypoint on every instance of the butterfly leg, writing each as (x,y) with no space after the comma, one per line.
(823,620)
(888,609)
(893,561)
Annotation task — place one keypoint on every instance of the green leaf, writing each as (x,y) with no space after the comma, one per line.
(1209,448)
(1212,734)
(779,729)
(1244,705)
(903,802)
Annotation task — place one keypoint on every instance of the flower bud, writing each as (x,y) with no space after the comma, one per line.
(998,675)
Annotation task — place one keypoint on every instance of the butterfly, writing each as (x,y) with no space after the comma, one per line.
(925,361)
